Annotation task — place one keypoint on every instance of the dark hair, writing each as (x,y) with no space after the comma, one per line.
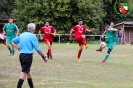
(45,21)
(106,25)
(10,18)
(80,19)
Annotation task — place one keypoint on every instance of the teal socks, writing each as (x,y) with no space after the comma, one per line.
(106,57)
(13,51)
(9,49)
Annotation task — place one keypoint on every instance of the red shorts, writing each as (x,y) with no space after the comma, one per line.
(48,41)
(79,40)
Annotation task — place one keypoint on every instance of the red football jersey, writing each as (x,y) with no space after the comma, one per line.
(79,30)
(47,31)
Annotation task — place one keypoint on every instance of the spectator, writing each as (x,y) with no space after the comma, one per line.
(119,37)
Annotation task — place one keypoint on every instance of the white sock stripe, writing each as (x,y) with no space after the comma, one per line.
(114,44)
(107,54)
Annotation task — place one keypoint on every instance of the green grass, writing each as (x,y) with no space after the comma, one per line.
(65,72)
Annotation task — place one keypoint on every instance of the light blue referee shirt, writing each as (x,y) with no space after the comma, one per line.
(27,41)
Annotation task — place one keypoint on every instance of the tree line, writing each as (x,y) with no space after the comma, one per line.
(62,14)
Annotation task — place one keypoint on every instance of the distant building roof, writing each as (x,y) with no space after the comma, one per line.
(127,23)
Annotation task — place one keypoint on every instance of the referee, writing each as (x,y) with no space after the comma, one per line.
(27,41)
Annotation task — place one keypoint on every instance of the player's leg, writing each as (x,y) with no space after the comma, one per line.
(5,41)
(112,45)
(101,48)
(84,41)
(79,52)
(26,61)
(49,54)
(27,69)
(79,40)
(13,50)
(48,45)
(110,48)
(8,44)
(106,56)
(29,79)
(21,80)
(22,74)
(102,39)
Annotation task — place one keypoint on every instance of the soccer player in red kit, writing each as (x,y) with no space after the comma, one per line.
(48,31)
(79,36)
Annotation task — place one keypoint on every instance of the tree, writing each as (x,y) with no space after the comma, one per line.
(91,11)
(63,14)
(6,7)
(30,11)
(37,11)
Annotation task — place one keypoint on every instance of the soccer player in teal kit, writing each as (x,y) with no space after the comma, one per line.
(110,38)
(11,31)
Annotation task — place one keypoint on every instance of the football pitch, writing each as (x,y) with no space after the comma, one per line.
(64,71)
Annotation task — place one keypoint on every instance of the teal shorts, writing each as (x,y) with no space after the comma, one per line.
(111,45)
(8,40)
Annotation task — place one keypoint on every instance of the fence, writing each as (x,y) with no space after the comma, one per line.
(67,35)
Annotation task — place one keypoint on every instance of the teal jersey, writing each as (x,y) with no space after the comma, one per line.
(107,36)
(111,36)
(10,30)
(110,26)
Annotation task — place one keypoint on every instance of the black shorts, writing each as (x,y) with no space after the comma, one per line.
(25,61)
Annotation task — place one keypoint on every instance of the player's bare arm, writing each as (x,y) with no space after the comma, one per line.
(114,29)
(71,34)
(103,33)
(90,30)
(43,56)
(39,32)
(17,33)
(54,32)
(15,45)
(4,32)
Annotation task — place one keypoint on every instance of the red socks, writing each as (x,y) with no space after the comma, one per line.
(79,54)
(49,52)
(84,41)
(5,42)
(100,48)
